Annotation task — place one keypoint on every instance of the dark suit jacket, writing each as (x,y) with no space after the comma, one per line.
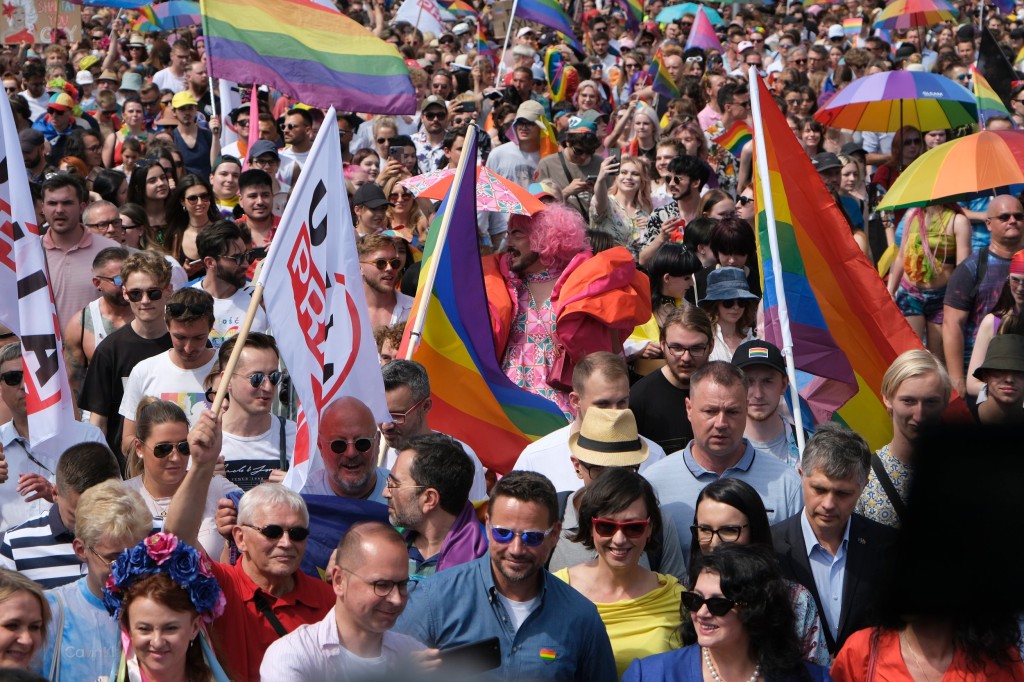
(867,562)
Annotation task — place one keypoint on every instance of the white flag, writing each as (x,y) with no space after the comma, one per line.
(426,15)
(230,99)
(31,313)
(313,291)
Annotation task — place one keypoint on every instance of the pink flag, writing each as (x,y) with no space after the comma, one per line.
(313,291)
(702,33)
(26,307)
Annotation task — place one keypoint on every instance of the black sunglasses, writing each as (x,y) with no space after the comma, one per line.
(256,378)
(382,263)
(161,450)
(179,309)
(274,532)
(744,200)
(135,295)
(435,115)
(340,445)
(238,258)
(13,378)
(717,606)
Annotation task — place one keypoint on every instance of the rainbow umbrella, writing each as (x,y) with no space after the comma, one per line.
(493,192)
(903,14)
(885,102)
(960,169)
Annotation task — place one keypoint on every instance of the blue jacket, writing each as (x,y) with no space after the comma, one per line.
(562,640)
(684,665)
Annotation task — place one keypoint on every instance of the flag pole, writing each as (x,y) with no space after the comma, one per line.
(508,36)
(243,333)
(764,179)
(426,287)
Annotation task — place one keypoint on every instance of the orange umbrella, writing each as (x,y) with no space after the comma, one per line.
(959,169)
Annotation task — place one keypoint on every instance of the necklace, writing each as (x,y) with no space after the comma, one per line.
(714,673)
(917,661)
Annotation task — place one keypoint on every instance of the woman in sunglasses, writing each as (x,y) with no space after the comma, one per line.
(729,511)
(190,210)
(405,216)
(739,624)
(157,462)
(732,309)
(619,518)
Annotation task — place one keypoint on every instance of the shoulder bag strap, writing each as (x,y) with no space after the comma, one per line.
(888,487)
(568,175)
(282,446)
(55,663)
(264,608)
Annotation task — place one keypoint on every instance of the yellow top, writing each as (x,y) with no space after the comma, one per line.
(643,626)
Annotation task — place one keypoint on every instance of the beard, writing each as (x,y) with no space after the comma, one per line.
(236,278)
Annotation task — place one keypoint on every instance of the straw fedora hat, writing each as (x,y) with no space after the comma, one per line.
(609,438)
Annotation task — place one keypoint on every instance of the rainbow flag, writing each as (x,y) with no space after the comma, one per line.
(548,13)
(310,52)
(147,21)
(634,13)
(702,33)
(852,27)
(735,138)
(554,71)
(462,10)
(484,48)
(846,329)
(473,399)
(660,80)
(989,102)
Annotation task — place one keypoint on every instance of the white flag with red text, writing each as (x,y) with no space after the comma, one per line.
(313,291)
(426,15)
(26,303)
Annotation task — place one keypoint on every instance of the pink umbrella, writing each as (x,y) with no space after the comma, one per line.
(493,192)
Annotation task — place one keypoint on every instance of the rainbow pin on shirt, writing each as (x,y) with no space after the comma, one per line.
(548,654)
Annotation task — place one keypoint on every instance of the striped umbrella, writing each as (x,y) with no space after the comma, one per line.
(904,14)
(885,102)
(960,169)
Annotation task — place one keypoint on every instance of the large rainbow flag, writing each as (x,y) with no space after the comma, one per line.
(634,10)
(661,81)
(548,13)
(846,329)
(989,102)
(307,50)
(473,399)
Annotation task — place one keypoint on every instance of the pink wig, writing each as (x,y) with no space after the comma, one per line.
(557,234)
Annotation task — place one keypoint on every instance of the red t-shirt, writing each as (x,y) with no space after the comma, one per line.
(243,634)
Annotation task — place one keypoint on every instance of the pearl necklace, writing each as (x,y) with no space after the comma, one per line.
(714,673)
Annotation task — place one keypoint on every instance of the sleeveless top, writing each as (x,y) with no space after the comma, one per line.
(90,314)
(928,246)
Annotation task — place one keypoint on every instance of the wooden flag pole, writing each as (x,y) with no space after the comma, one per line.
(243,334)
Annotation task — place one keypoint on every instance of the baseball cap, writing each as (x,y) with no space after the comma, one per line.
(593,115)
(87,61)
(61,101)
(744,45)
(370,195)
(30,139)
(836,31)
(581,125)
(84,78)
(261,147)
(434,101)
(460,28)
(529,111)
(184,99)
(609,438)
(851,148)
(758,352)
(524,31)
(826,161)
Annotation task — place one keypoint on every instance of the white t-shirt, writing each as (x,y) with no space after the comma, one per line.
(511,163)
(229,313)
(289,154)
(160,378)
(250,459)
(518,611)
(208,536)
(166,80)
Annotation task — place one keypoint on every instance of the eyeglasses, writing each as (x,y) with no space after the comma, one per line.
(383,588)
(93,148)
(392,484)
(293,126)
(742,104)
(340,446)
(964,77)
(697,351)
(104,224)
(115,280)
(595,470)
(243,123)
(785,46)
(530,538)
(399,418)
(726,533)
(743,200)
(384,140)
(383,263)
(273,531)
(717,606)
(696,59)
(106,562)
(606,528)
(135,295)
(211,393)
(161,450)
(1005,217)
(256,379)
(799,61)
(630,66)
(54,112)
(179,309)
(196,198)
(398,196)
(435,115)
(238,258)
(676,179)
(13,378)
(150,105)
(730,303)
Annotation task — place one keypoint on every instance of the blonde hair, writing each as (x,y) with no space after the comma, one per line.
(914,363)
(11,583)
(112,510)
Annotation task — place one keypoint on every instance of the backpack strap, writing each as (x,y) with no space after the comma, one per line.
(979,276)
(282,445)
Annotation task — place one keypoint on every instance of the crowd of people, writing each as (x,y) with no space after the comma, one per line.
(672,530)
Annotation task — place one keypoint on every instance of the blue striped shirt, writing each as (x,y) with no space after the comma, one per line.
(41,550)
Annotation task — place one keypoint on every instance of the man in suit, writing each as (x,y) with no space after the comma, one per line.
(837,555)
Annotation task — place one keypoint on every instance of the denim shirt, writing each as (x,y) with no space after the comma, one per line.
(562,639)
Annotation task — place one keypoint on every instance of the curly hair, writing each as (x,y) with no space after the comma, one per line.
(557,234)
(750,576)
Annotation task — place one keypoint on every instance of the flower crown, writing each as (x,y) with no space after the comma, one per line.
(165,553)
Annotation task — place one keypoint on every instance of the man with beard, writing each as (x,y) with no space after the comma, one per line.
(33,152)
(767,430)
(407,391)
(429,140)
(349,442)
(915,391)
(428,497)
(96,321)
(224,248)
(686,177)
(298,137)
(198,146)
(379,263)
(548,630)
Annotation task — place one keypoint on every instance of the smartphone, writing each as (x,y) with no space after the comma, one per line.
(476,657)
(395,153)
(467,107)
(591,179)
(617,155)
(494,95)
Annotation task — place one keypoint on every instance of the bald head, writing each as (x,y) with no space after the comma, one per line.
(362,540)
(1005,220)
(348,440)
(348,410)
